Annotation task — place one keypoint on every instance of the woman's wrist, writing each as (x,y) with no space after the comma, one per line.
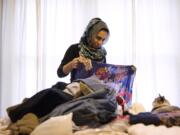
(67,68)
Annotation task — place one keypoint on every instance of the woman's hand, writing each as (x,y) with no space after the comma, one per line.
(74,63)
(87,62)
(71,65)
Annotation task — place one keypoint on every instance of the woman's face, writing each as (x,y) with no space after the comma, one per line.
(98,39)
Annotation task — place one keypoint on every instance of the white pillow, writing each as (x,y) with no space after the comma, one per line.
(60,125)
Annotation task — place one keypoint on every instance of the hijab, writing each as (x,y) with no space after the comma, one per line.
(95,25)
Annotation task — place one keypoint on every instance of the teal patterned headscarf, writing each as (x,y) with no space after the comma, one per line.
(95,25)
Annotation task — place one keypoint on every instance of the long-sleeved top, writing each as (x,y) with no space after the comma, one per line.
(71,53)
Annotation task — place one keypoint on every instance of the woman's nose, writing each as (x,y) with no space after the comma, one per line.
(100,42)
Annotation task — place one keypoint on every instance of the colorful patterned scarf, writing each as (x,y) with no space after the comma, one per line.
(119,77)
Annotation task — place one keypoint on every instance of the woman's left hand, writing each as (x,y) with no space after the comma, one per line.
(87,62)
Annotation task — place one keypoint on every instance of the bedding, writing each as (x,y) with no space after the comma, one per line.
(111,80)
(115,127)
(4,123)
(40,104)
(95,111)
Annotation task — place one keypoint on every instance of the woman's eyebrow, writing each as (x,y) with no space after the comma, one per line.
(99,37)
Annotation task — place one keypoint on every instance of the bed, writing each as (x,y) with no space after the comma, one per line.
(97,103)
(63,125)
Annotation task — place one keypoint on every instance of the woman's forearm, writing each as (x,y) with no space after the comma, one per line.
(67,68)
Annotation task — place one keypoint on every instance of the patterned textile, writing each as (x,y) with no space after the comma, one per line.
(169,118)
(118,77)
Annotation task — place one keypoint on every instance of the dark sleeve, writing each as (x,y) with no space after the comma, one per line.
(71,53)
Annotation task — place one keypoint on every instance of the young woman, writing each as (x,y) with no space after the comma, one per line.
(89,48)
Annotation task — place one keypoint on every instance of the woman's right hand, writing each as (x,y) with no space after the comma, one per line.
(74,63)
(71,65)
